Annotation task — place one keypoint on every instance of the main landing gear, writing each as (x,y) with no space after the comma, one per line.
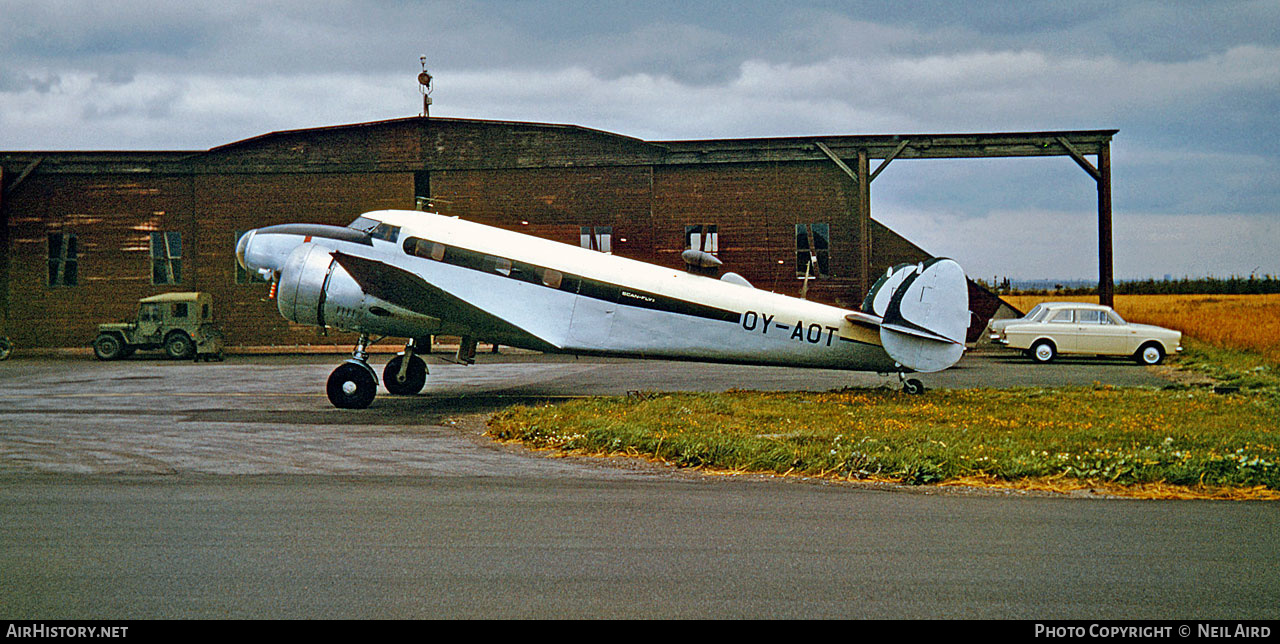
(354,384)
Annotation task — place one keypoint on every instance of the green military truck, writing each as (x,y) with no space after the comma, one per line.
(180,323)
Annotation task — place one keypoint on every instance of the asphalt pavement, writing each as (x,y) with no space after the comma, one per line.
(154,489)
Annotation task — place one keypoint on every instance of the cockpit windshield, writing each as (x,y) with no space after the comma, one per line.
(376,229)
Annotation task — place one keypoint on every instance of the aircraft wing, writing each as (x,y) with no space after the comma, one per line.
(410,291)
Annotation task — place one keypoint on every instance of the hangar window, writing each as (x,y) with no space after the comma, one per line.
(703,237)
(63,259)
(813,251)
(166,258)
(596,238)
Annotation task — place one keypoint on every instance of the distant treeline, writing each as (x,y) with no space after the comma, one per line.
(1252,285)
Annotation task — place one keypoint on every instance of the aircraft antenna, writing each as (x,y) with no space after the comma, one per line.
(424,87)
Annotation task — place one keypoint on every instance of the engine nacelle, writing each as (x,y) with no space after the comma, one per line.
(315,290)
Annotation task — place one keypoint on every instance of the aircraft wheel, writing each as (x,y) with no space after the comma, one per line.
(414,380)
(351,386)
(913,387)
(108,347)
(1044,352)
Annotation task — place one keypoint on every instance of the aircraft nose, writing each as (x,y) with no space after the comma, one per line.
(242,246)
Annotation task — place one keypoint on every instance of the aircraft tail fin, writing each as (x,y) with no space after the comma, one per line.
(924,311)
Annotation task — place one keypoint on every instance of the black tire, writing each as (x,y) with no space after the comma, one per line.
(913,387)
(108,347)
(1044,352)
(1150,353)
(415,378)
(351,386)
(179,346)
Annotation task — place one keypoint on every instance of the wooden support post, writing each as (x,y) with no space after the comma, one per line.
(1106,279)
(864,221)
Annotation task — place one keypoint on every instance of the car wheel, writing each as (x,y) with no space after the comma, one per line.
(108,347)
(179,346)
(1150,354)
(1043,352)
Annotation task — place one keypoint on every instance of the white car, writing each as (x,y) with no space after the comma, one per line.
(1085,329)
(997,326)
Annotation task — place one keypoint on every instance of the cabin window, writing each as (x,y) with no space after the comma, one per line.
(180,309)
(499,265)
(1061,316)
(424,249)
(204,312)
(703,237)
(813,251)
(552,278)
(599,238)
(166,258)
(63,259)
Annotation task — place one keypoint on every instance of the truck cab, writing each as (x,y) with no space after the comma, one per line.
(180,323)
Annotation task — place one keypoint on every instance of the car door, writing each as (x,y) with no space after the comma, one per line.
(149,322)
(1095,333)
(1061,328)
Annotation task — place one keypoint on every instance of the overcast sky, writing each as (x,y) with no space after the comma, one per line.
(1193,87)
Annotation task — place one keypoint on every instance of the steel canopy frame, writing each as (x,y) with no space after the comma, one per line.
(1077,144)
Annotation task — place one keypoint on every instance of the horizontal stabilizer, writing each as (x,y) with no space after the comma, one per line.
(864,319)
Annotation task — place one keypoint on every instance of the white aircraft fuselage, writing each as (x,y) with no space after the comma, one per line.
(415,274)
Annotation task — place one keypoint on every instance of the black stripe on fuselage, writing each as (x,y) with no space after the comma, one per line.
(566,282)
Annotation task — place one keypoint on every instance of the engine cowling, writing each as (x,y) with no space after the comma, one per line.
(315,290)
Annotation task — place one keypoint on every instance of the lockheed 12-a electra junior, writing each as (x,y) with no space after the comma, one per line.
(414,274)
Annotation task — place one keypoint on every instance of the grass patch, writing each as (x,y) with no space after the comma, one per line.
(1061,438)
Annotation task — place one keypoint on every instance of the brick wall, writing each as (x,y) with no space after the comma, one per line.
(543,180)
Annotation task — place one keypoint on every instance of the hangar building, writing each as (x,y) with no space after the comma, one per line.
(86,234)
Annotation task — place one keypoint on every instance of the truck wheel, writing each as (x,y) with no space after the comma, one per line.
(108,347)
(179,346)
